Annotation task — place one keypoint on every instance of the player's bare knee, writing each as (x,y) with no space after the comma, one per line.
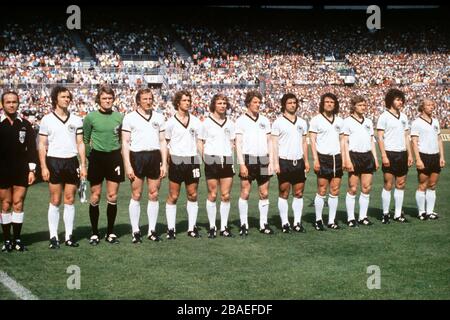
(136,195)
(400,185)
(111,197)
(352,190)
(17,206)
(283,194)
(431,185)
(192,196)
(335,191)
(212,196)
(153,195)
(263,195)
(225,197)
(298,194)
(366,189)
(245,195)
(6,205)
(172,198)
(69,200)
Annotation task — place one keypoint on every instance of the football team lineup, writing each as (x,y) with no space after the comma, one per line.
(144,147)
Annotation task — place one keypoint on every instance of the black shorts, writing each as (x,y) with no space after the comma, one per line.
(292,171)
(184,169)
(13,175)
(398,163)
(218,167)
(431,163)
(63,171)
(105,165)
(330,166)
(146,164)
(363,163)
(258,169)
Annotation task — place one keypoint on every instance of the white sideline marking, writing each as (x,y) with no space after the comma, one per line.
(21,292)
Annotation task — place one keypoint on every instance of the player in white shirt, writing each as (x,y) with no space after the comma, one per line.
(217,135)
(254,152)
(395,148)
(63,133)
(360,160)
(429,152)
(290,156)
(144,152)
(184,164)
(326,137)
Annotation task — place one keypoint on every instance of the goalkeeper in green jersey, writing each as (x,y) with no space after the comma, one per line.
(101,130)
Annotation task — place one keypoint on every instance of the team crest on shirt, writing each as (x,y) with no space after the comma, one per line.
(436,129)
(262,126)
(155,125)
(299,129)
(337,128)
(367,127)
(22,135)
(227,131)
(192,131)
(117,129)
(403,123)
(71,128)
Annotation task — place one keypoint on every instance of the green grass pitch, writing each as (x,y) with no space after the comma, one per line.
(414,258)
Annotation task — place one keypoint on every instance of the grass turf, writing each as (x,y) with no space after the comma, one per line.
(413,258)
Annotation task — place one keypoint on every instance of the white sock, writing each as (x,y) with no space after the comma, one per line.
(134,210)
(6,218)
(386,200)
(263,206)
(363,205)
(332,208)
(283,208)
(431,200)
(192,210)
(224,212)
(69,218)
(152,213)
(243,211)
(53,220)
(319,202)
(171,215)
(211,210)
(297,207)
(350,205)
(398,198)
(17,217)
(420,200)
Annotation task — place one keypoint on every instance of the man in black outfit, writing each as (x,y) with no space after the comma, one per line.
(17,168)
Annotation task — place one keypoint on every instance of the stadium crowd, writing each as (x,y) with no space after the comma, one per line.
(230,60)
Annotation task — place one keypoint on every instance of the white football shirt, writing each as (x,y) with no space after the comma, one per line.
(218,137)
(254,134)
(62,141)
(360,134)
(394,130)
(428,133)
(183,139)
(144,131)
(328,132)
(290,137)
